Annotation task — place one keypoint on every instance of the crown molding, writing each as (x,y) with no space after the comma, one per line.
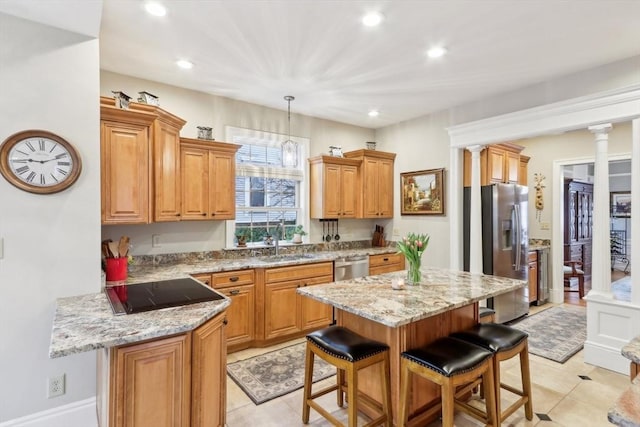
(577,113)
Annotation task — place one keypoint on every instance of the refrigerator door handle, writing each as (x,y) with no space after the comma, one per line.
(518,234)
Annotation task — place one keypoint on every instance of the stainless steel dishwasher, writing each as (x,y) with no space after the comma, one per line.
(350,267)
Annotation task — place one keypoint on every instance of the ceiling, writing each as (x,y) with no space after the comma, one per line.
(318,51)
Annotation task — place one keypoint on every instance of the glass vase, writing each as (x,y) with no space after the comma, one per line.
(414,276)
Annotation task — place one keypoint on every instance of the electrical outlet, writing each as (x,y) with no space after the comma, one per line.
(56,386)
(155,241)
(396,232)
(544,226)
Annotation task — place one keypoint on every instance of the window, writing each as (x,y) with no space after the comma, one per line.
(267,193)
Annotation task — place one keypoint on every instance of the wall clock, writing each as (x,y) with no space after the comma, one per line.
(39,162)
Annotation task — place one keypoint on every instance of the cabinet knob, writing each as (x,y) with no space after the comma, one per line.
(206,282)
(233,278)
(204,214)
(235,292)
(213,214)
(225,321)
(178,214)
(298,285)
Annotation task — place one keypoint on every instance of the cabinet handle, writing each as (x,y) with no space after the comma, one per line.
(213,214)
(225,321)
(178,214)
(235,292)
(204,214)
(233,278)
(385,259)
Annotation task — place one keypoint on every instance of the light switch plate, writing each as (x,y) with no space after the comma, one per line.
(544,226)
(155,241)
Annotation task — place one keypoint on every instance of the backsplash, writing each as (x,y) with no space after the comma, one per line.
(539,242)
(239,253)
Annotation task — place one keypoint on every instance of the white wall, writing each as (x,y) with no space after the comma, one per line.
(48,80)
(200,109)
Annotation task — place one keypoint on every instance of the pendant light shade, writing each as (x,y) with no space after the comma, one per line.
(289,147)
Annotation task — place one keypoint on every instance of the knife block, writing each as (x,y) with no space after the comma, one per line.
(378,239)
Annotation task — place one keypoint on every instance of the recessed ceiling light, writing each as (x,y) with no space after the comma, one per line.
(156,9)
(373,113)
(183,63)
(372,19)
(436,52)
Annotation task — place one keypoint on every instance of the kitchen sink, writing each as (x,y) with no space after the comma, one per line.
(286,257)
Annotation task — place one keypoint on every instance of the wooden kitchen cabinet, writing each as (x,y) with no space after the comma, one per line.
(499,163)
(140,164)
(166,167)
(284,313)
(533,276)
(208,171)
(333,186)
(167,382)
(209,374)
(524,167)
(125,165)
(375,183)
(240,288)
(385,263)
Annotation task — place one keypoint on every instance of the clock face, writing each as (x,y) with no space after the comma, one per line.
(39,162)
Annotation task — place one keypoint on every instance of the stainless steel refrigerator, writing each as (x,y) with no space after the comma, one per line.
(505,243)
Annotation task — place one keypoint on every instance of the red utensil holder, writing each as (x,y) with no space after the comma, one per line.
(116,269)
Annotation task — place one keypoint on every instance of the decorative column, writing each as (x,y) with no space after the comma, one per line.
(601,239)
(635,203)
(475,212)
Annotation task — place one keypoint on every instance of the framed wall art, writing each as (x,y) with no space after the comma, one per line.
(422,192)
(620,203)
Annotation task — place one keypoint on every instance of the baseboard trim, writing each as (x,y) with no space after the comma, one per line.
(605,357)
(81,413)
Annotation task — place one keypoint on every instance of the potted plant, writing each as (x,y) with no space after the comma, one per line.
(241,236)
(298,233)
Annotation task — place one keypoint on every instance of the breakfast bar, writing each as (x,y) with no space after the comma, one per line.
(444,302)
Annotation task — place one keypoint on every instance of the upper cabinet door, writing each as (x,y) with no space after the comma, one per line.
(385,188)
(333,184)
(375,184)
(166,162)
(124,157)
(495,165)
(195,183)
(347,190)
(222,178)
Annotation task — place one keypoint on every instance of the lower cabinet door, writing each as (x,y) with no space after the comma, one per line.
(208,374)
(314,314)
(240,314)
(151,383)
(281,309)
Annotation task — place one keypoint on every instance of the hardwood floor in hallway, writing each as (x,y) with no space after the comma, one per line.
(574,298)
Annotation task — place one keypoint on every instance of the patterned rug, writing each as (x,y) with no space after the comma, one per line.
(556,333)
(276,373)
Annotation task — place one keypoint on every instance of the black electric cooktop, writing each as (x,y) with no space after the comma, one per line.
(129,299)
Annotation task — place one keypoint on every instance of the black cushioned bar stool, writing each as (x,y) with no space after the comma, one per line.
(505,342)
(348,352)
(450,363)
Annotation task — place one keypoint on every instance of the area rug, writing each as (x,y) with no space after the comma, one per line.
(621,289)
(556,333)
(276,373)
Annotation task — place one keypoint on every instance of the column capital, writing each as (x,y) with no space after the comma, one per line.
(601,129)
(475,148)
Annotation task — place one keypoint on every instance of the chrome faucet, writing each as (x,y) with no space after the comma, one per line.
(279,232)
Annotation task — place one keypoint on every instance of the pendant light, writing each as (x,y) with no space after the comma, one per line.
(289,147)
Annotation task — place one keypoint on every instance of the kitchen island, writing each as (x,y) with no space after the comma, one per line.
(445,302)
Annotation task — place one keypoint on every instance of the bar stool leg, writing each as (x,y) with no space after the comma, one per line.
(496,381)
(386,392)
(352,396)
(526,380)
(447,390)
(308,379)
(490,400)
(405,387)
(340,384)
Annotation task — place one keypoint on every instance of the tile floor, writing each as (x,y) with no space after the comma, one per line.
(570,394)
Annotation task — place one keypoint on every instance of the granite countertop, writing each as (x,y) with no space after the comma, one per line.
(86,322)
(538,247)
(626,410)
(632,350)
(442,290)
(139,274)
